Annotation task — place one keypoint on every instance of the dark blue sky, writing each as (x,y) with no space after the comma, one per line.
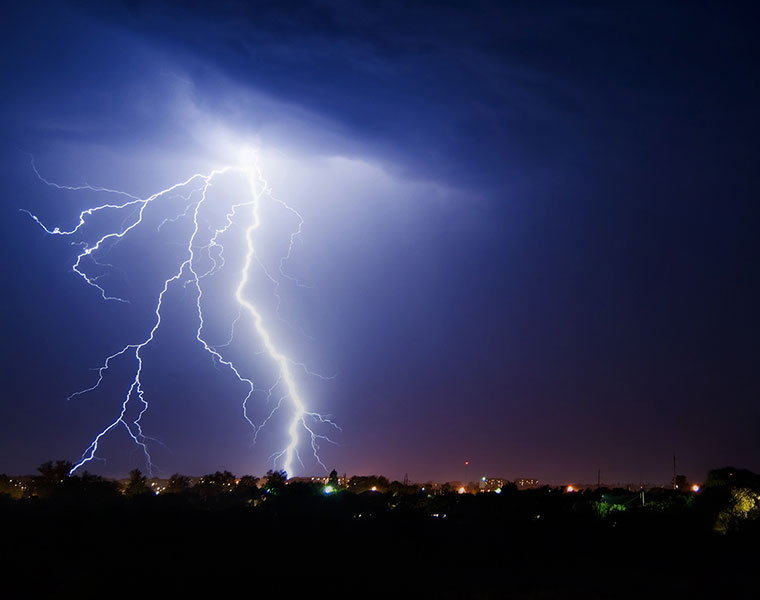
(531,229)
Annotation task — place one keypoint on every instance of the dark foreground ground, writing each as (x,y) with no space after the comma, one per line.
(369,546)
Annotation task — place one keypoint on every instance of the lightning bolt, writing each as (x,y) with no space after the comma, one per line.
(134,404)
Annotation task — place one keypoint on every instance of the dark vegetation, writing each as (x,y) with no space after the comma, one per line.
(86,536)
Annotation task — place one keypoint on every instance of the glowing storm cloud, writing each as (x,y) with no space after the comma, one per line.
(204,257)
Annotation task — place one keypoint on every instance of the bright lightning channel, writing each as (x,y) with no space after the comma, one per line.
(188,274)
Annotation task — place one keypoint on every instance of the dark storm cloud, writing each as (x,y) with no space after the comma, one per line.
(434,84)
(494,85)
(601,307)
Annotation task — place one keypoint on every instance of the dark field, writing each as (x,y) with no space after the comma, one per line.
(297,540)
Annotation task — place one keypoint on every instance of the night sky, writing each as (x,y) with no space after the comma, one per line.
(530,239)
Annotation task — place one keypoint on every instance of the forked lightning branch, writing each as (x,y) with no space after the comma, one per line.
(204,257)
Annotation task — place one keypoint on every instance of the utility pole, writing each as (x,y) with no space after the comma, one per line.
(674,470)
(598,478)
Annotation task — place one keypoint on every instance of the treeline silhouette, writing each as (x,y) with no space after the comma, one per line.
(81,535)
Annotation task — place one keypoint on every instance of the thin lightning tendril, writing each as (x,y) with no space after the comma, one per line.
(188,274)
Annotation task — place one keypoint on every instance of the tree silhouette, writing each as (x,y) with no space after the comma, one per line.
(91,488)
(248,481)
(178,483)
(248,488)
(137,484)
(216,483)
(55,472)
(52,475)
(275,481)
